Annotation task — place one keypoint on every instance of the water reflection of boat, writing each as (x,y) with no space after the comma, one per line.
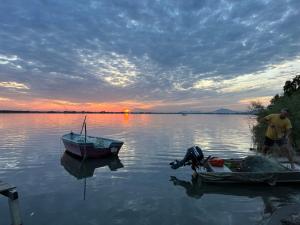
(86,168)
(275,199)
(196,189)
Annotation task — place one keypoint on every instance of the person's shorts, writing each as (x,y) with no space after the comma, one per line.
(270,142)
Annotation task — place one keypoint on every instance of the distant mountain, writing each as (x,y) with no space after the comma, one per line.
(224,111)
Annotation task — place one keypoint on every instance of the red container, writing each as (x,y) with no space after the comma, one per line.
(218,162)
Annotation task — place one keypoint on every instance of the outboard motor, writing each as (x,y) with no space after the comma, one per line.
(194,156)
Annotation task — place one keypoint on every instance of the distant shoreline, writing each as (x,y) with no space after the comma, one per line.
(105,112)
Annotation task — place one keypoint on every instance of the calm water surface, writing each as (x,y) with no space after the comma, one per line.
(53,188)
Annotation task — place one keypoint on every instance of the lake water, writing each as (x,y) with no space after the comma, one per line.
(53,189)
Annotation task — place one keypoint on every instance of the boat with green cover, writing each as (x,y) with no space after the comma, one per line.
(251,169)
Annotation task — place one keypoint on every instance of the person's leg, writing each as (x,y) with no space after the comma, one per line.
(267,145)
(265,149)
(289,153)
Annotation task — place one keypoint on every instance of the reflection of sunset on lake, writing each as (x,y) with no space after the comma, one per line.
(72,121)
(115,124)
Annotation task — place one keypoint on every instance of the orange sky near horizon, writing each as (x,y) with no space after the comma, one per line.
(59,105)
(125,106)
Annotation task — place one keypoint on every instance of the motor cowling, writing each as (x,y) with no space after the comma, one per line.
(195,153)
(193,156)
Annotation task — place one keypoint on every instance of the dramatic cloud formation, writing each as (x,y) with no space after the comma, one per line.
(165,55)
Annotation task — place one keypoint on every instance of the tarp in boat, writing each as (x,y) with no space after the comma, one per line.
(261,164)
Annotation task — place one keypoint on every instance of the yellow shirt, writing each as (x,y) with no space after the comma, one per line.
(277,126)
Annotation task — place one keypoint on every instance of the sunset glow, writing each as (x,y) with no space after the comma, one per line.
(61,105)
(126,111)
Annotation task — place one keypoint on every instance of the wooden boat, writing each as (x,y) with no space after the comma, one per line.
(86,168)
(233,171)
(90,147)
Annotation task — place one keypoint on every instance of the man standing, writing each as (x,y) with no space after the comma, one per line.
(278,132)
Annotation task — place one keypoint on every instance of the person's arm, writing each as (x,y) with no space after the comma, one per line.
(265,119)
(288,133)
(262,120)
(288,130)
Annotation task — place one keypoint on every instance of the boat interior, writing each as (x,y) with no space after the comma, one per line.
(97,141)
(252,164)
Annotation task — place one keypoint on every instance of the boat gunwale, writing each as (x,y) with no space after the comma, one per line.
(288,171)
(234,173)
(89,142)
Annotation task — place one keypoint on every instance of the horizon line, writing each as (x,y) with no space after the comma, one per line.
(120,112)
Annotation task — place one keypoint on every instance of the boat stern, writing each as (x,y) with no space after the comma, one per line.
(115,147)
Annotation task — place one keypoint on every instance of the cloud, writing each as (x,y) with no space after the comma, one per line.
(273,77)
(14,85)
(7,59)
(112,68)
(265,100)
(205,84)
(148,51)
(4,99)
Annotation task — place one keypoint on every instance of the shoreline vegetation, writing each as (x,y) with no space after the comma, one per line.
(108,112)
(290,98)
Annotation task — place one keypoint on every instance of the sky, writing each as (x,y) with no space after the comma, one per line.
(152,55)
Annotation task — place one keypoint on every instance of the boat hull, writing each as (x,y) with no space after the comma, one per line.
(88,150)
(255,178)
(272,178)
